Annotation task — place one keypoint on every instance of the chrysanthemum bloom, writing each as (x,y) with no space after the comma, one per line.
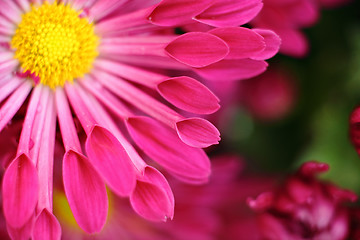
(304,208)
(104,57)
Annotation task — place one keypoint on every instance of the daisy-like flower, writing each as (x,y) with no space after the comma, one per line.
(101,63)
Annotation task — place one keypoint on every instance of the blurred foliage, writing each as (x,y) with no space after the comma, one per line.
(328,82)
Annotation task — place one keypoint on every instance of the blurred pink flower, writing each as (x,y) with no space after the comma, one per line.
(288,17)
(304,208)
(112,60)
(270,96)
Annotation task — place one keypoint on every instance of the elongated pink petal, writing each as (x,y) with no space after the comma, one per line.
(13,103)
(243,42)
(197,132)
(177,12)
(24,4)
(111,161)
(191,180)
(189,94)
(272,42)
(155,177)
(304,13)
(9,87)
(230,13)
(20,191)
(126,71)
(46,227)
(147,45)
(104,7)
(7,67)
(149,202)
(197,49)
(164,146)
(85,191)
(230,70)
(124,23)
(23,233)
(152,198)
(10,10)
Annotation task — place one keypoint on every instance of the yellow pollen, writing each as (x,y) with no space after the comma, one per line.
(55,44)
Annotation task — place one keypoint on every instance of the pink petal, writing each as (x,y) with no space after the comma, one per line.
(10,10)
(312,168)
(148,201)
(272,42)
(304,13)
(13,103)
(24,4)
(20,191)
(8,66)
(272,228)
(152,198)
(189,94)
(197,132)
(111,160)
(23,233)
(164,146)
(294,42)
(85,191)
(46,227)
(176,12)
(243,42)
(230,13)
(197,49)
(104,7)
(230,70)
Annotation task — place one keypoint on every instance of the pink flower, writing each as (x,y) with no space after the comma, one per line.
(270,96)
(288,18)
(304,207)
(104,64)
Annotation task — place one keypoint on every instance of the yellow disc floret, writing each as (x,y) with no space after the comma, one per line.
(55,44)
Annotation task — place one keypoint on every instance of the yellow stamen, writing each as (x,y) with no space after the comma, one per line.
(55,44)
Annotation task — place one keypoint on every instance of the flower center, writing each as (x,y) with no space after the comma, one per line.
(55,44)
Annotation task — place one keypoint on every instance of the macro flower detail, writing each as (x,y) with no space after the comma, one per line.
(304,207)
(98,69)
